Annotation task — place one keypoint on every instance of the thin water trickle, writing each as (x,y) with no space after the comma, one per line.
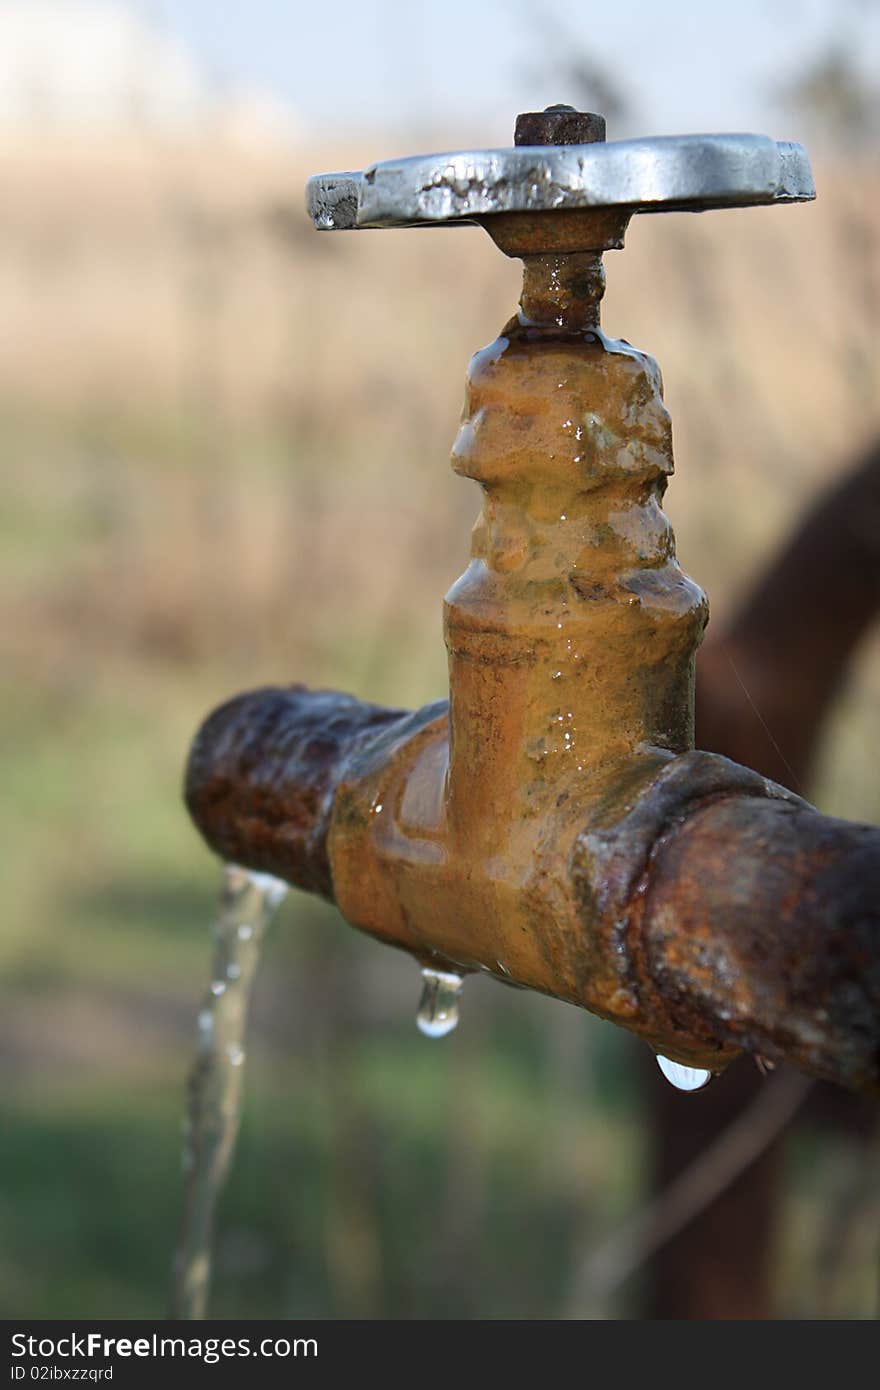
(247,904)
(681,1077)
(438,1012)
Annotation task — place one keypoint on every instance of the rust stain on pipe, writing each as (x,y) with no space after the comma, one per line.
(763,915)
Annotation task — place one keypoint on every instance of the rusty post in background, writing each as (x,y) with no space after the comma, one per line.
(765,684)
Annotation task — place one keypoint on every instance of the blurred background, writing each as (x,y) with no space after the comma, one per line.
(224,442)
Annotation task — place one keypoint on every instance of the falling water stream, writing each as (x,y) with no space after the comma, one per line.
(247,904)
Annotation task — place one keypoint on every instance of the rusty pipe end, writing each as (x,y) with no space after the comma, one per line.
(262,772)
(763,916)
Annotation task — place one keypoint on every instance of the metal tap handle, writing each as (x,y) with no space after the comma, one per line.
(667,173)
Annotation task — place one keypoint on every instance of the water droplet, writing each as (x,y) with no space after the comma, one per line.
(233,971)
(438,1006)
(681,1077)
(206,1024)
(235,1054)
(245,932)
(218,987)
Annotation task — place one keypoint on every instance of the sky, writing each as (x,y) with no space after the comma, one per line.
(470,65)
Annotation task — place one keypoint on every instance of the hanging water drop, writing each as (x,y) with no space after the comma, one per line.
(681,1077)
(438,1006)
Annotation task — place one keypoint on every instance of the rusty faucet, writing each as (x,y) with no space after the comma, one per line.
(551,823)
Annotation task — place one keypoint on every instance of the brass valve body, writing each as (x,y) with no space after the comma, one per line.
(571,639)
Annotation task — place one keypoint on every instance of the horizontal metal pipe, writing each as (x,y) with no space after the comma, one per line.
(722,911)
(764,916)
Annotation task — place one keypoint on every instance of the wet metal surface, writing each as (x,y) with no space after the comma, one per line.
(552,825)
(718,912)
